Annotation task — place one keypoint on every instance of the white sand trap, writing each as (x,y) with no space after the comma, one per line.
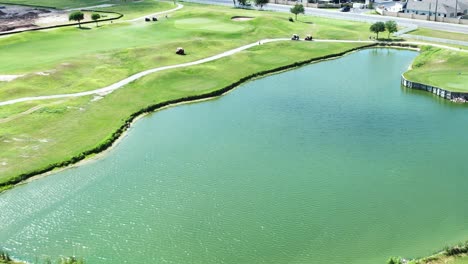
(241,18)
(9,78)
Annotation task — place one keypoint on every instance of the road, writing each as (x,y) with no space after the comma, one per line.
(353,16)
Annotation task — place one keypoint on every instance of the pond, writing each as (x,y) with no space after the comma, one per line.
(333,162)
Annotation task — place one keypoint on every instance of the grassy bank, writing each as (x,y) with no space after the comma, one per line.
(439,34)
(441,68)
(450,255)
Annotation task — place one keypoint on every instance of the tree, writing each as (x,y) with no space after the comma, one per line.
(377,27)
(391,27)
(96,17)
(297,9)
(261,3)
(76,16)
(242,2)
(234,1)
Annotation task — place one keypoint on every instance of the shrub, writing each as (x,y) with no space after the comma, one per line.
(4,256)
(394,260)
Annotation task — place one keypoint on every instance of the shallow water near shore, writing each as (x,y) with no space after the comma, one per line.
(333,162)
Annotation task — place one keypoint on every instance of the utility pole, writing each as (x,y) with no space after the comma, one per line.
(456,8)
(435,15)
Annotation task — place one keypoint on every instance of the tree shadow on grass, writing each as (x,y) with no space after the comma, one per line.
(84,28)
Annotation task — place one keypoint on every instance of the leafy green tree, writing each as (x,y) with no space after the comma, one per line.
(96,17)
(76,16)
(297,9)
(261,3)
(391,27)
(242,2)
(377,27)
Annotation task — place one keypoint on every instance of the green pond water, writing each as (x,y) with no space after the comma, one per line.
(330,163)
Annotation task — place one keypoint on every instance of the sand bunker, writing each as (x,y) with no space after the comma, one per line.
(8,78)
(241,18)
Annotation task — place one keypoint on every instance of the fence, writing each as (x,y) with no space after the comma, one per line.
(423,17)
(305,4)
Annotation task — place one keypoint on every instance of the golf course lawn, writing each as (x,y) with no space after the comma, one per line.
(72,60)
(439,34)
(131,9)
(441,68)
(462,260)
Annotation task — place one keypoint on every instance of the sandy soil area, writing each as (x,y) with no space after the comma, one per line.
(14,18)
(241,18)
(8,78)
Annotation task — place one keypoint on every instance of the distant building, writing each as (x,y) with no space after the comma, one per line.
(444,8)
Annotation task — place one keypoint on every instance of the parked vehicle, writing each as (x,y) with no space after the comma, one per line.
(308,38)
(345,9)
(295,37)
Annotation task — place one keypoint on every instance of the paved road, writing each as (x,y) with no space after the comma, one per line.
(353,16)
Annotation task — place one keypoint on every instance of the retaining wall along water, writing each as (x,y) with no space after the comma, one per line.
(446,94)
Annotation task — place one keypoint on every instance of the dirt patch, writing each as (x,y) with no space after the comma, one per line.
(241,18)
(14,18)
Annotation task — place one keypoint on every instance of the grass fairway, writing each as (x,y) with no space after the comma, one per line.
(442,68)
(132,9)
(76,60)
(207,24)
(439,34)
(461,260)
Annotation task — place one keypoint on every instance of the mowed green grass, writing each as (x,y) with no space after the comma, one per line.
(207,24)
(136,9)
(439,34)
(59,131)
(441,68)
(461,260)
(78,60)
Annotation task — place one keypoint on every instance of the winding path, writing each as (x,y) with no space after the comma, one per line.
(179,6)
(123,82)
